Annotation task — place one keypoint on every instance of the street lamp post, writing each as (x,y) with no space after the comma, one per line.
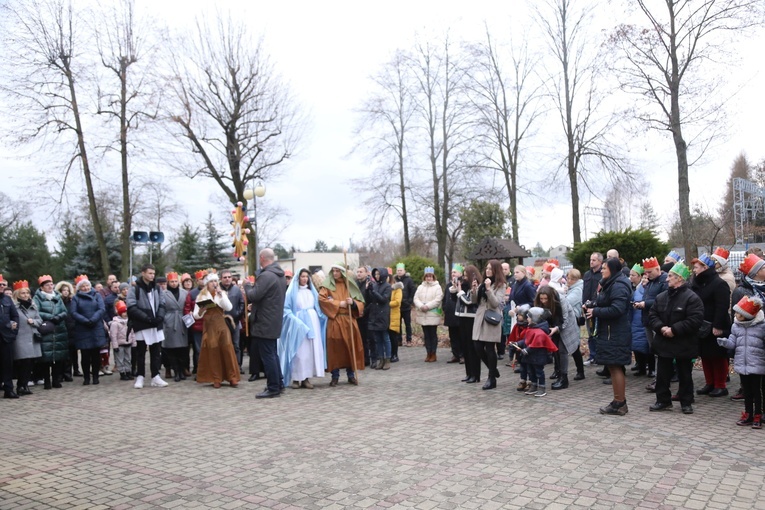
(252,194)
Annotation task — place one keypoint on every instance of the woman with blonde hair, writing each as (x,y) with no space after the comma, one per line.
(26,350)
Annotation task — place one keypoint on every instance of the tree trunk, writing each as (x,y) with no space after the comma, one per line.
(127,220)
(103,251)
(681,148)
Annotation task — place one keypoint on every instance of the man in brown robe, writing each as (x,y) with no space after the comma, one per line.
(341,300)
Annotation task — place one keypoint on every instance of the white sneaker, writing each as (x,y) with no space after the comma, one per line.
(138,382)
(40,382)
(31,383)
(157,382)
(106,371)
(588,362)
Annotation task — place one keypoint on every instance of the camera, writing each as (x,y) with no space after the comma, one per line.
(589,304)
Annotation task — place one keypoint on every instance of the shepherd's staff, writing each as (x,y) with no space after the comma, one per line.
(246,314)
(350,314)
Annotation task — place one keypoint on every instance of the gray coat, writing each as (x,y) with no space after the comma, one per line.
(569,330)
(747,339)
(494,300)
(267,298)
(174,328)
(26,347)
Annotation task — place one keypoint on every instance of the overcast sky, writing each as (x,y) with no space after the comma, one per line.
(328,50)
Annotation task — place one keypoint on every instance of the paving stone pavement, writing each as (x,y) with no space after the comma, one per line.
(410,437)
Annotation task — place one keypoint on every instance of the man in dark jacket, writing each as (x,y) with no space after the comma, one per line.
(370,354)
(657,283)
(591,281)
(407,299)
(377,296)
(236,312)
(112,293)
(9,328)
(146,313)
(675,317)
(267,298)
(451,321)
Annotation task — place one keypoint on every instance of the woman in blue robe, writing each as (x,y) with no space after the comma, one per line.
(303,343)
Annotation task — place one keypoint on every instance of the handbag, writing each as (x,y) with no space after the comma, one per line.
(492,317)
(46,328)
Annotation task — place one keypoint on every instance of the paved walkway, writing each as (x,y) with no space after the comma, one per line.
(411,437)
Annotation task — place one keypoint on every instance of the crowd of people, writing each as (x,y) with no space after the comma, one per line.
(664,316)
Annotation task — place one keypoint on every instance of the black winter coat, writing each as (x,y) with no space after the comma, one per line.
(682,310)
(653,289)
(267,298)
(715,295)
(449,306)
(8,314)
(377,297)
(407,294)
(614,334)
(88,312)
(141,314)
(590,286)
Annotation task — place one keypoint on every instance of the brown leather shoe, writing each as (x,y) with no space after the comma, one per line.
(427,358)
(187,372)
(353,381)
(454,359)
(333,382)
(307,384)
(168,373)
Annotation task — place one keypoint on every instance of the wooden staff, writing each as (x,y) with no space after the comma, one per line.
(244,291)
(350,314)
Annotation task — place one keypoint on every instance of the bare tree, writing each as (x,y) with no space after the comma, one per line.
(124,44)
(385,129)
(665,63)
(230,108)
(45,71)
(442,106)
(589,152)
(507,105)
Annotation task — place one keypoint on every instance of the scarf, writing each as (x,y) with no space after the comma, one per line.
(757,287)
(353,288)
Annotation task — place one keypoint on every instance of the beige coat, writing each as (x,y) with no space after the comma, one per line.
(494,300)
(430,295)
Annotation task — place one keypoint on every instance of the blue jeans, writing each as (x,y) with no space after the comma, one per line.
(348,372)
(270,359)
(382,343)
(537,374)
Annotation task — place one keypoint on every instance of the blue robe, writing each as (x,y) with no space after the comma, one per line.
(296,326)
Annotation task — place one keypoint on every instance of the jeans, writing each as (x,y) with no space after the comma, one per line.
(336,373)
(382,344)
(537,374)
(270,358)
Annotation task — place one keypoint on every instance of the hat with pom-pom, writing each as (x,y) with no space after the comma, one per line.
(748,307)
(721,255)
(751,265)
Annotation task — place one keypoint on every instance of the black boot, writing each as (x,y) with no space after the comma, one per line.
(490,384)
(23,390)
(47,385)
(177,377)
(10,394)
(579,376)
(561,384)
(555,375)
